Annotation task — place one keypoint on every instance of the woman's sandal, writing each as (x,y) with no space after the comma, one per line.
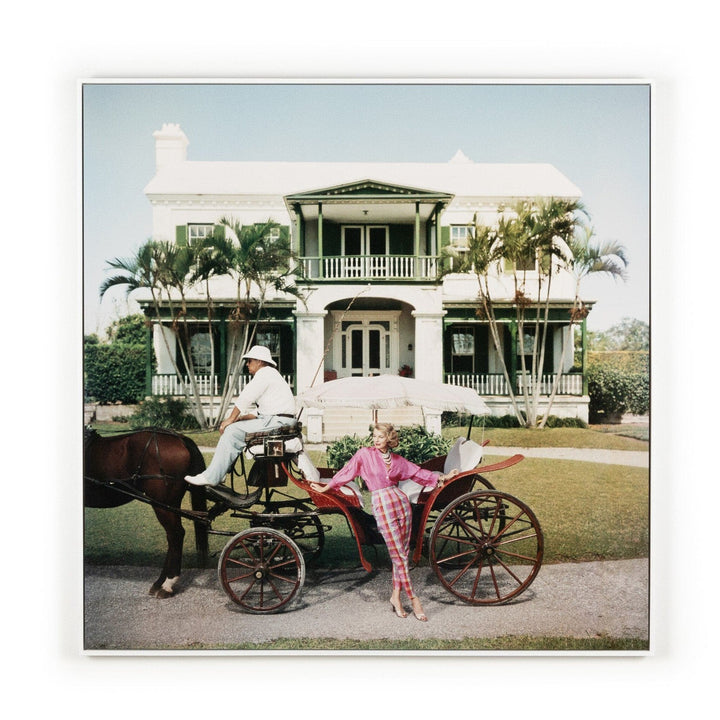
(398,610)
(421,616)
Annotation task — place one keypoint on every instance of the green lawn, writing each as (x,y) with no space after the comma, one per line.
(587,511)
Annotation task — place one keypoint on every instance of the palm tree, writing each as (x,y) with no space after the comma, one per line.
(261,259)
(163,268)
(529,236)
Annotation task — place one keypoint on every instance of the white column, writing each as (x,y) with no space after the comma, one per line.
(429,346)
(164,346)
(310,343)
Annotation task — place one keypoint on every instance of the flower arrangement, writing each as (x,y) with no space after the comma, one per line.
(405,371)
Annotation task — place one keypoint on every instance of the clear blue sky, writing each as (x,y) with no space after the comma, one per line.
(596,134)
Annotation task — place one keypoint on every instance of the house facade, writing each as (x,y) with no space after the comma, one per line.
(368,237)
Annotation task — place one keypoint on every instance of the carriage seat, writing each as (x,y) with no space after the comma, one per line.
(350,490)
(276,442)
(464,455)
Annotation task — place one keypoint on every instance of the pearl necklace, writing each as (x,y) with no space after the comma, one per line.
(386,456)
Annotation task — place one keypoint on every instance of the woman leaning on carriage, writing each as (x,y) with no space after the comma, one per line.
(382,470)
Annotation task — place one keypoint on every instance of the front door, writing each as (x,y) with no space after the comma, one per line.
(367,346)
(368,352)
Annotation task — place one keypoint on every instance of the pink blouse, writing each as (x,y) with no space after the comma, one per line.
(369,465)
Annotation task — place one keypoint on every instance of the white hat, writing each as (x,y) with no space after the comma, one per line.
(259,352)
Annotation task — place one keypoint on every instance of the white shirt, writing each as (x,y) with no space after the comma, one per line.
(268,392)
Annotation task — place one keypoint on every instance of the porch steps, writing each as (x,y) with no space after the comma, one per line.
(338,422)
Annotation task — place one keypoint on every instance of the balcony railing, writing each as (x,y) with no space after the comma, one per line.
(170,384)
(495,384)
(371,267)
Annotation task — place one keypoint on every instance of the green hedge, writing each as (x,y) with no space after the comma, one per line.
(114,373)
(627,361)
(614,392)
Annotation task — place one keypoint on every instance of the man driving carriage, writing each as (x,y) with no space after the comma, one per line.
(275,407)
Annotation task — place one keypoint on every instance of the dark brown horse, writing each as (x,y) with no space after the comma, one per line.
(151,463)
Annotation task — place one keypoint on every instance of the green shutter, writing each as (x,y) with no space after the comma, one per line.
(444,236)
(219,232)
(181,234)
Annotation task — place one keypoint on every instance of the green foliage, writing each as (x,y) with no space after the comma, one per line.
(114,373)
(628,335)
(614,392)
(416,445)
(564,422)
(451,419)
(342,449)
(128,330)
(629,361)
(170,413)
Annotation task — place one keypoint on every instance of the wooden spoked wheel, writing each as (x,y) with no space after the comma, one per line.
(262,570)
(486,547)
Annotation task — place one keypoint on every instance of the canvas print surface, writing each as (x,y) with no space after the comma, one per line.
(366,366)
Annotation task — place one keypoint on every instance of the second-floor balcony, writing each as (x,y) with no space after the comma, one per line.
(371,267)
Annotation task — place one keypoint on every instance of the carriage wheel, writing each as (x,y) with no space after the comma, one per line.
(486,547)
(442,501)
(306,531)
(262,570)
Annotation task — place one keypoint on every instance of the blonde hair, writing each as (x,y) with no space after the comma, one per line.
(390,433)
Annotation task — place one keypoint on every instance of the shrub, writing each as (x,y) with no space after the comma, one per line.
(114,373)
(629,361)
(169,413)
(554,421)
(614,392)
(416,445)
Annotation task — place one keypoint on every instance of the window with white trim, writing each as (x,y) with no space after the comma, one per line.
(460,237)
(197,233)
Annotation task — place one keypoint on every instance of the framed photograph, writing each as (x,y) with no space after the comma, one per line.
(371,235)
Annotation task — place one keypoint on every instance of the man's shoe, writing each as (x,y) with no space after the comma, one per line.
(197,480)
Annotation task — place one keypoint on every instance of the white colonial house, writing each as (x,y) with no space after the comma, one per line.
(368,236)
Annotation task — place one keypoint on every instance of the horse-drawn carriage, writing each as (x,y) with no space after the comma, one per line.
(484,546)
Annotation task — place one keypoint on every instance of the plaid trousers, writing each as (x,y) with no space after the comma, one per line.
(393,513)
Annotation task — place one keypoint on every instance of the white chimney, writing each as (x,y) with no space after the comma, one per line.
(170,145)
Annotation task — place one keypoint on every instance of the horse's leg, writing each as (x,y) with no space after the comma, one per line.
(198,501)
(163,587)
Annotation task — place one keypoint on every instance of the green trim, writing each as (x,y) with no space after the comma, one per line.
(513,328)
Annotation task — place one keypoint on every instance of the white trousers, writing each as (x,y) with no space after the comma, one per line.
(232,443)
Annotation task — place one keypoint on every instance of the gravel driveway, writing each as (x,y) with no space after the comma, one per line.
(573,600)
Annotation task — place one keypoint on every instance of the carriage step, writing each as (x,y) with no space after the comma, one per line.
(224,494)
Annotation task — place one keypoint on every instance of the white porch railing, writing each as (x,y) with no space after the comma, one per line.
(371,267)
(495,384)
(170,384)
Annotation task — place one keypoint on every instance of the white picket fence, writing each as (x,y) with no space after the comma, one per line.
(495,384)
(208,385)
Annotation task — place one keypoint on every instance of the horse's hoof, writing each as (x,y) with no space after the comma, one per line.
(162,594)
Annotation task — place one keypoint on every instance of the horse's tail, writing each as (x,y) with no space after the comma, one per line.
(198,501)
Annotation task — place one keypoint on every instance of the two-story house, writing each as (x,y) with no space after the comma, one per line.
(368,236)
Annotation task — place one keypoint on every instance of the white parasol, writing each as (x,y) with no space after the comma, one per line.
(393,391)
